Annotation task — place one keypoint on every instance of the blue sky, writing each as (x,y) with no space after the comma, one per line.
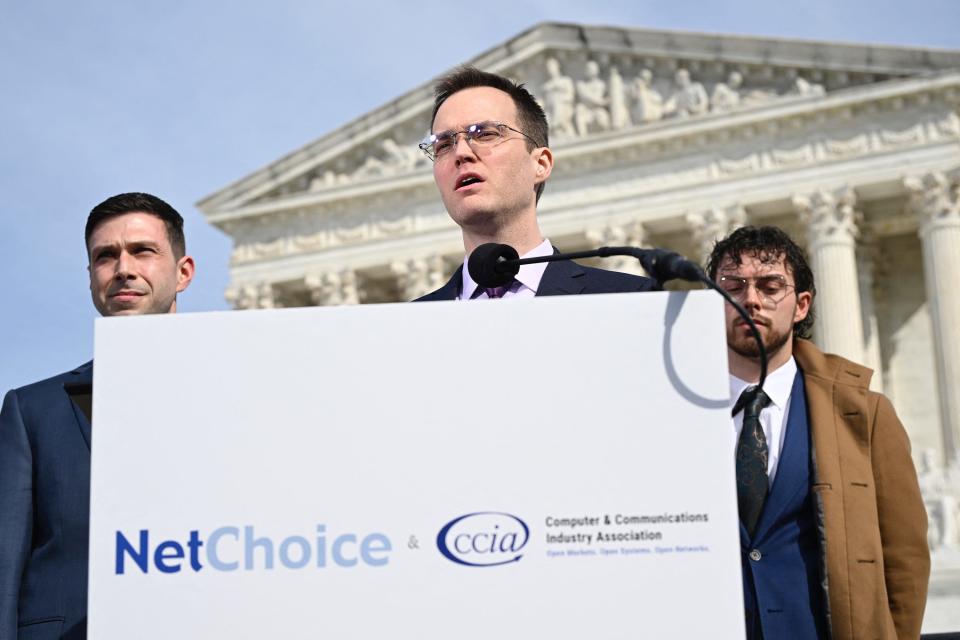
(181,98)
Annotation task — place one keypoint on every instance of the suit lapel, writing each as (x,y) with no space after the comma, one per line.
(79,387)
(793,471)
(449,291)
(562,278)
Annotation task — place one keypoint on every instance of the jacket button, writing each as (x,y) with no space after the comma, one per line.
(755,555)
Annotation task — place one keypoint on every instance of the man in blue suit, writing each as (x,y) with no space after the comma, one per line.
(137,265)
(491,160)
(833,531)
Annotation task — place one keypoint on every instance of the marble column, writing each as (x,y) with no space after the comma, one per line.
(866,265)
(712,225)
(935,201)
(831,243)
(629,235)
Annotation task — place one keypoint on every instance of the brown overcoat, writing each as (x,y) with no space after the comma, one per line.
(872,522)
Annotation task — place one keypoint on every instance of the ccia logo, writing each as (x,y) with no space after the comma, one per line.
(483,539)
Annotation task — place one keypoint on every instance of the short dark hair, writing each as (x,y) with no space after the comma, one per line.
(124,203)
(533,120)
(768,243)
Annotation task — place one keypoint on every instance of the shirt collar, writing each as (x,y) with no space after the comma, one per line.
(529,275)
(777,386)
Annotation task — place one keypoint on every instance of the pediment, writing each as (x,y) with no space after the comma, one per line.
(591,81)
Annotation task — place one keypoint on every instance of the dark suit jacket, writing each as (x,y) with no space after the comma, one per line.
(45,508)
(782,585)
(560,279)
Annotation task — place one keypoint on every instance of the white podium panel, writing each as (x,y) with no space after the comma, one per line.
(551,468)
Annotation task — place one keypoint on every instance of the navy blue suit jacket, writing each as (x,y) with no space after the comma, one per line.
(45,508)
(561,278)
(782,584)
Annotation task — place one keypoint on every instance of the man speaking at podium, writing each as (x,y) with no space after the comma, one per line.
(833,531)
(137,265)
(491,160)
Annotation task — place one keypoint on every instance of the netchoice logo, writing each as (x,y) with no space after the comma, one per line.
(227,549)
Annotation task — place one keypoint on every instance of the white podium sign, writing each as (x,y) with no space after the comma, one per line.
(547,468)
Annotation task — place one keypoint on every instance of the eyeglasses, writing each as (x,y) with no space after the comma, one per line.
(770,289)
(480,135)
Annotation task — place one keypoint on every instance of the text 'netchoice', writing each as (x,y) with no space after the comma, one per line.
(238,548)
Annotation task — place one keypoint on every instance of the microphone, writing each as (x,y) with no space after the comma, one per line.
(494,265)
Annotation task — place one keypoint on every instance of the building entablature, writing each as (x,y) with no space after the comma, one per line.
(591,80)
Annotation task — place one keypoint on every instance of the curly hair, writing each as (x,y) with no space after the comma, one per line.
(768,244)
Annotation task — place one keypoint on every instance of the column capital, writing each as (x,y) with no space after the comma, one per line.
(713,224)
(418,276)
(830,216)
(631,234)
(332,288)
(934,199)
(251,296)
(241,296)
(265,296)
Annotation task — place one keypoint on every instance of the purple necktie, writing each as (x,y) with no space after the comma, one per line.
(497,292)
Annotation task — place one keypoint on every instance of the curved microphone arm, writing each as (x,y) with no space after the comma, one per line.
(665,265)
(496,264)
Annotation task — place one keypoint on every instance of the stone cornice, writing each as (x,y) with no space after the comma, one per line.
(745,49)
(802,118)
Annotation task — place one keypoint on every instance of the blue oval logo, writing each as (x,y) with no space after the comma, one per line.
(483,539)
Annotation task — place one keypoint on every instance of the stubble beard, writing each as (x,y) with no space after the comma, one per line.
(746,346)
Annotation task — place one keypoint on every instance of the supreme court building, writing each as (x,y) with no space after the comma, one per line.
(672,140)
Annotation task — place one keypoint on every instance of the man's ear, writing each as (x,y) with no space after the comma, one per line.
(185,269)
(544,159)
(804,300)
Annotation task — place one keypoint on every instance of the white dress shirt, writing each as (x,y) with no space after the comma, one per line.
(525,283)
(773,418)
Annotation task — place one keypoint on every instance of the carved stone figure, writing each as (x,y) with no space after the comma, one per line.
(802,87)
(396,159)
(726,95)
(592,105)
(619,110)
(559,93)
(757,96)
(690,98)
(942,509)
(327,179)
(647,101)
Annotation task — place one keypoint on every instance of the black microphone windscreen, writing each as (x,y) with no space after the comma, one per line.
(489,267)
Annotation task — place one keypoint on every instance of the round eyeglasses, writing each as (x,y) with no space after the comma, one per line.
(479,135)
(770,289)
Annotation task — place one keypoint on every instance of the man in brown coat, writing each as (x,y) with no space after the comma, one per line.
(833,528)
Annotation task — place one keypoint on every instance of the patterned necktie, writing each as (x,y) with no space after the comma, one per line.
(752,482)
